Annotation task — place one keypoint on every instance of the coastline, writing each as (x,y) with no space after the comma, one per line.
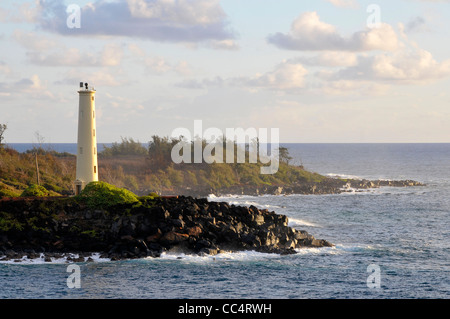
(49,228)
(329,186)
(58,227)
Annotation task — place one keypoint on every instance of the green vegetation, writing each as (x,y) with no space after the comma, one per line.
(128,146)
(35,191)
(167,175)
(129,165)
(18,172)
(8,191)
(101,195)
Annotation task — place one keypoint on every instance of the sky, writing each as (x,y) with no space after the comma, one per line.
(321,71)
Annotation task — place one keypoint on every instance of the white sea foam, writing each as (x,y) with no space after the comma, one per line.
(296,222)
(251,256)
(253,203)
(221,257)
(345,176)
(41,259)
(239,256)
(338,249)
(242,200)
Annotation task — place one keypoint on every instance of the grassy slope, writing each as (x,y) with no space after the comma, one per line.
(18,171)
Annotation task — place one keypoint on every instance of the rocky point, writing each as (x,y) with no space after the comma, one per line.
(56,226)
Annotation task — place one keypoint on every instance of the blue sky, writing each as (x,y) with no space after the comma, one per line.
(314,69)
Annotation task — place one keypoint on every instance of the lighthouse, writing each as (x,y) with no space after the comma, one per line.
(87,167)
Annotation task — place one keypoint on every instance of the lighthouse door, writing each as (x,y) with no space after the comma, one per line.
(78,189)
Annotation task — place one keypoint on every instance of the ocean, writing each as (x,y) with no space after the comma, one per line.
(390,243)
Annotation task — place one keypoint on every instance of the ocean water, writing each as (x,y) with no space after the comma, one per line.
(390,242)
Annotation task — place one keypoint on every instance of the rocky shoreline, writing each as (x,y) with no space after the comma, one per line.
(54,228)
(328,186)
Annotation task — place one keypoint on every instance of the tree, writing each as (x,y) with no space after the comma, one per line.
(284,155)
(3,128)
(128,146)
(160,150)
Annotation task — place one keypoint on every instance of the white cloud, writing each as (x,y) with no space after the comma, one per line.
(309,33)
(285,76)
(340,73)
(188,12)
(353,88)
(33,41)
(110,55)
(102,77)
(157,64)
(228,44)
(23,12)
(344,3)
(32,87)
(412,66)
(179,21)
(330,59)
(288,75)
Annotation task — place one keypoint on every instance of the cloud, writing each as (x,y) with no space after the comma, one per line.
(413,66)
(4,68)
(33,41)
(159,65)
(200,12)
(227,44)
(345,87)
(96,78)
(46,52)
(32,87)
(74,57)
(416,24)
(285,76)
(309,33)
(344,3)
(329,59)
(24,12)
(340,73)
(156,64)
(179,21)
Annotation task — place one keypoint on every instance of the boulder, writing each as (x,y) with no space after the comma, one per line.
(155,237)
(174,237)
(194,231)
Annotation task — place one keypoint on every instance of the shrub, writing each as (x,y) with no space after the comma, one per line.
(35,191)
(53,187)
(131,182)
(128,146)
(149,200)
(101,195)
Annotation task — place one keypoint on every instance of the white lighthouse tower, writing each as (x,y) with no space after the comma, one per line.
(87,167)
